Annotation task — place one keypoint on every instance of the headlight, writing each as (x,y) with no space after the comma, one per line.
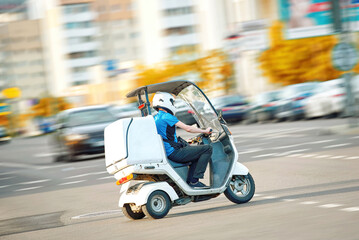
(76,137)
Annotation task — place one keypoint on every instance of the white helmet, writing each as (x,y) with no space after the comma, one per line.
(164,100)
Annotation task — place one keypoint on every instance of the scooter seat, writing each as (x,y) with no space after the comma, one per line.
(178,165)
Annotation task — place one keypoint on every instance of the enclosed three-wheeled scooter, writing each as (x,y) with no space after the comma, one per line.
(150,183)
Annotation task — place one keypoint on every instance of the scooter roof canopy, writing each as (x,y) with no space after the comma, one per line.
(174,87)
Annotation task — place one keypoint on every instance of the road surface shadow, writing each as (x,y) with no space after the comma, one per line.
(30,223)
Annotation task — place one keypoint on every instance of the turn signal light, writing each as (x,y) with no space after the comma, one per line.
(125,179)
(141,106)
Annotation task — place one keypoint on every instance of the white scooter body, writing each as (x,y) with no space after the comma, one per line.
(133,148)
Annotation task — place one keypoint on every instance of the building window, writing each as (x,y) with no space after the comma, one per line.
(77,25)
(179,31)
(178,11)
(79,69)
(82,55)
(134,35)
(77,40)
(76,8)
(77,83)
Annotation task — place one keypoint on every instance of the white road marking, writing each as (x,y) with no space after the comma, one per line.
(97,214)
(333,205)
(308,155)
(38,181)
(54,166)
(323,156)
(4,186)
(351,158)
(86,174)
(322,141)
(251,150)
(293,151)
(68,183)
(108,177)
(355,137)
(5,178)
(288,200)
(269,197)
(257,195)
(26,189)
(40,155)
(352,209)
(289,146)
(264,155)
(337,145)
(77,168)
(308,202)
(336,157)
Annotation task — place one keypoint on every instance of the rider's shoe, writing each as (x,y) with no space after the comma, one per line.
(198,185)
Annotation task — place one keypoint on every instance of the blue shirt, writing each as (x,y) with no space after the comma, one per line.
(165,123)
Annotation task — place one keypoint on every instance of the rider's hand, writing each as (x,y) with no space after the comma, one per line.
(208,130)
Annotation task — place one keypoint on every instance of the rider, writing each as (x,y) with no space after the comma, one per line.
(176,151)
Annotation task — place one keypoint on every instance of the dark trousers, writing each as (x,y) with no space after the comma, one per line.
(199,157)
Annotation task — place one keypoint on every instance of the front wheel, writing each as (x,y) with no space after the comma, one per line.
(240,189)
(158,205)
(127,211)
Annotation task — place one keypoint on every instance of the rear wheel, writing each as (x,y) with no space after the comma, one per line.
(240,189)
(158,205)
(127,211)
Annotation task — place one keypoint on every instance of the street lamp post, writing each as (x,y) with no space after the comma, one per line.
(345,55)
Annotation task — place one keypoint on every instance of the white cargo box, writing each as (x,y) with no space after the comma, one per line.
(132,141)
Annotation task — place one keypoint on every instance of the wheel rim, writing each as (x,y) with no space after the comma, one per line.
(158,203)
(240,186)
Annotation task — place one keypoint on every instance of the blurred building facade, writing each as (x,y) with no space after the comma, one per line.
(24,60)
(96,44)
(80,37)
(249,20)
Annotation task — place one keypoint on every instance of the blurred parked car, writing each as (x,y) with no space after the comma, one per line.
(80,131)
(127,111)
(184,112)
(234,107)
(4,135)
(293,99)
(264,106)
(329,99)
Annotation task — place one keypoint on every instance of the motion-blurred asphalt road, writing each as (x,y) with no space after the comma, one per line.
(307,187)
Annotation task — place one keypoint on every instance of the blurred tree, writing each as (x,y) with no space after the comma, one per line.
(50,106)
(299,60)
(4,120)
(214,70)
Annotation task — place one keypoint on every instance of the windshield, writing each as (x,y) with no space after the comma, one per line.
(87,117)
(228,101)
(267,97)
(297,89)
(203,112)
(125,108)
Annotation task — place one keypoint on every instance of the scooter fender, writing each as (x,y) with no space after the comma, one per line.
(240,169)
(140,196)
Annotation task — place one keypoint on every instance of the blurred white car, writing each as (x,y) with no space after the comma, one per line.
(329,99)
(126,111)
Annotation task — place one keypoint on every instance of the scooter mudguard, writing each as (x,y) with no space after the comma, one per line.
(139,193)
(240,169)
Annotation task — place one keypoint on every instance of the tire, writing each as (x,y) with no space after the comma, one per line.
(240,189)
(157,206)
(127,211)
